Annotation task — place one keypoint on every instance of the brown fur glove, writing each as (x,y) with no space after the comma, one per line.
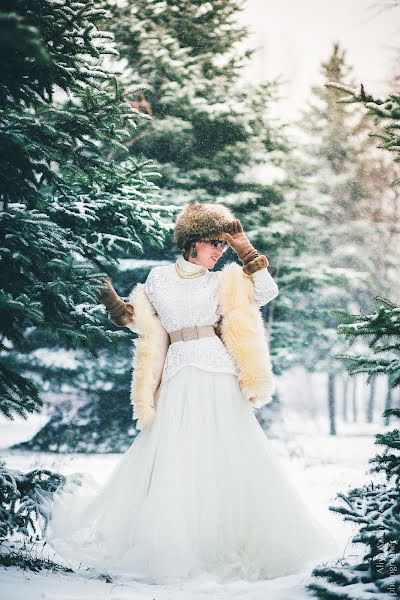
(240,243)
(120,312)
(260,262)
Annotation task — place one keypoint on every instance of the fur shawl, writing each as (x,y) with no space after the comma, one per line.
(242,332)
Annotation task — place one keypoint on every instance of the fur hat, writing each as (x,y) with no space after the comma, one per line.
(200,221)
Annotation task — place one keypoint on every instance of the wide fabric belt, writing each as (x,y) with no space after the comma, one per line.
(191,333)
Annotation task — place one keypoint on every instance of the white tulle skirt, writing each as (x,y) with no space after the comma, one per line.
(201,491)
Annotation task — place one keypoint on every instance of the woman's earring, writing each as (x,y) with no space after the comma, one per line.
(194,252)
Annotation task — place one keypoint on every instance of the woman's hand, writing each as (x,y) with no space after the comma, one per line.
(107,291)
(121,313)
(240,243)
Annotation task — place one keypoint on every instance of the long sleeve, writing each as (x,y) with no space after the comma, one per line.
(265,287)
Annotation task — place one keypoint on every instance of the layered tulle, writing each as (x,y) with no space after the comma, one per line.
(201,491)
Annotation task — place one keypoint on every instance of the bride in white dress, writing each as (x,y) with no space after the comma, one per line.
(200,491)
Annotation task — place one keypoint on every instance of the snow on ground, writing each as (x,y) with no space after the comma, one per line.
(15,585)
(318,464)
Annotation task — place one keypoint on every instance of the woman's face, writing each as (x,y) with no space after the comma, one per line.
(208,253)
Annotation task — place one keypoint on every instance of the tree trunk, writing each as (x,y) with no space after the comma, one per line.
(354,398)
(389,399)
(331,404)
(345,398)
(371,400)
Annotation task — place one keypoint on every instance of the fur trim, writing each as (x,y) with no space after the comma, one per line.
(200,220)
(149,355)
(243,333)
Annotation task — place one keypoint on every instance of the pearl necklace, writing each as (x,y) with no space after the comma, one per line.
(190,275)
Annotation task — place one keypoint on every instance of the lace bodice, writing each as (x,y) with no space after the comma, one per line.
(187,302)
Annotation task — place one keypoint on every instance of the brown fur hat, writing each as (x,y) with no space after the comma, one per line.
(200,221)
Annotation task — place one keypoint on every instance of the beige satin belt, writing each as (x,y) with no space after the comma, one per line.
(191,333)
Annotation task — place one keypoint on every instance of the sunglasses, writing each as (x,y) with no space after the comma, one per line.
(218,244)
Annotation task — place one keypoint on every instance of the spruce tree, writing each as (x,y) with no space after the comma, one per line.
(374,508)
(206,126)
(332,166)
(67,211)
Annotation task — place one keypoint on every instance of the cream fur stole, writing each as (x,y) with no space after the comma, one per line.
(243,333)
(149,355)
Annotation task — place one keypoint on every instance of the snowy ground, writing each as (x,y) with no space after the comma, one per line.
(319,464)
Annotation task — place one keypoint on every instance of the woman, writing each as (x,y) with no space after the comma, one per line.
(200,491)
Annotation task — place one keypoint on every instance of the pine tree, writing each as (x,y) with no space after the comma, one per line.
(386,113)
(378,204)
(66,209)
(375,507)
(206,125)
(333,140)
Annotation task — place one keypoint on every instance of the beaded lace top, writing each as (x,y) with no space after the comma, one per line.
(181,302)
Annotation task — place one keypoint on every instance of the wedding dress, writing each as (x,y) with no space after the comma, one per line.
(201,491)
